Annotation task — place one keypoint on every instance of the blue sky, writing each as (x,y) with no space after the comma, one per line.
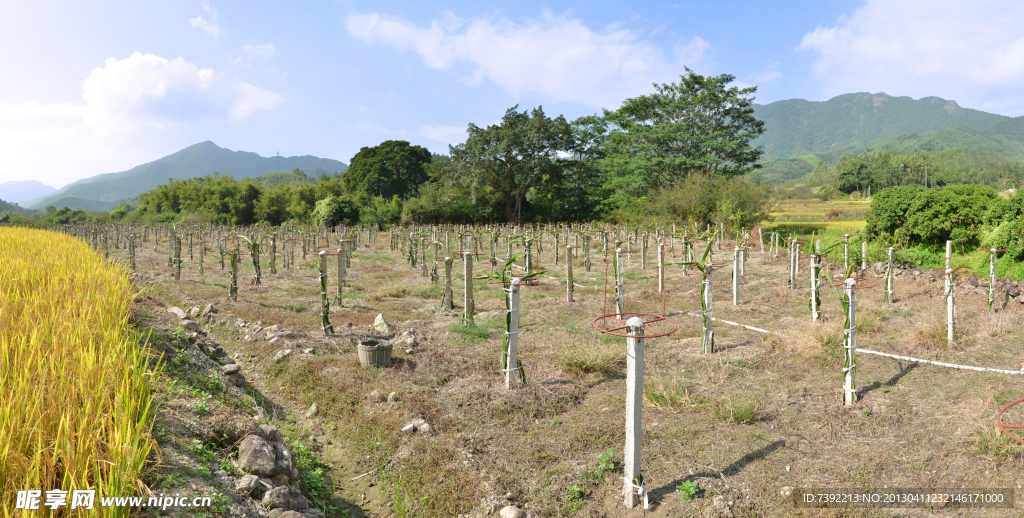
(97,88)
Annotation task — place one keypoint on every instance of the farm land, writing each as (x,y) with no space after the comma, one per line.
(722,433)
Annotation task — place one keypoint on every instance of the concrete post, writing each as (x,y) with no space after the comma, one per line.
(620,288)
(850,366)
(634,405)
(446,301)
(512,354)
(568,275)
(950,295)
(467,259)
(735,276)
(661,267)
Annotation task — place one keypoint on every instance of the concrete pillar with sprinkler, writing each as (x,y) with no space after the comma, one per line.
(633,487)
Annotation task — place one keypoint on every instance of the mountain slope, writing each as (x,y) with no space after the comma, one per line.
(196,160)
(19,191)
(851,122)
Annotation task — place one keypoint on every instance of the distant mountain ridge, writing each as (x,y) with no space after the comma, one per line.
(852,122)
(21,190)
(102,192)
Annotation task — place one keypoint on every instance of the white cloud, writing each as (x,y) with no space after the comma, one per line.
(444,134)
(147,88)
(251,52)
(972,52)
(554,56)
(127,106)
(211,29)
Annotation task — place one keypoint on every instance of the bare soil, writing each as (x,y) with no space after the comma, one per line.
(538,446)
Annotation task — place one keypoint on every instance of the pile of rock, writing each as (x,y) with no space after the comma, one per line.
(252,331)
(270,475)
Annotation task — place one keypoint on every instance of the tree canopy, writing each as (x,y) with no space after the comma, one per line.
(391,168)
(700,125)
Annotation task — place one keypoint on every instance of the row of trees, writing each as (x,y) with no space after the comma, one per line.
(677,153)
(884,169)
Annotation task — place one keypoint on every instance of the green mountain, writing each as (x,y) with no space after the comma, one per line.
(850,123)
(12,207)
(107,190)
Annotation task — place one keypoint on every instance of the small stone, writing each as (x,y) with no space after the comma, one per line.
(247,484)
(270,432)
(313,410)
(512,512)
(408,351)
(277,498)
(375,396)
(194,312)
(231,368)
(240,323)
(392,397)
(312,513)
(282,354)
(381,325)
(280,479)
(275,513)
(276,328)
(177,312)
(274,340)
(208,309)
(227,360)
(309,351)
(786,491)
(422,426)
(292,514)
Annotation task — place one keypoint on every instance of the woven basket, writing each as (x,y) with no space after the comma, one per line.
(374,354)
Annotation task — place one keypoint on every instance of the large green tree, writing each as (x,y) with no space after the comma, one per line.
(513,157)
(391,168)
(700,125)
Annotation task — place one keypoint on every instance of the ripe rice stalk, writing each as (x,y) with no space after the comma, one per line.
(76,409)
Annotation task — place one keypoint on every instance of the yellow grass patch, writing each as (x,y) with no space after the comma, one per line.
(75,411)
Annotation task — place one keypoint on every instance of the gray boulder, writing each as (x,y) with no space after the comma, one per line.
(277,498)
(177,312)
(231,368)
(257,456)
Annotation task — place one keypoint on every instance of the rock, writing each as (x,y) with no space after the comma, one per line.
(348,324)
(392,397)
(284,458)
(194,312)
(276,513)
(236,380)
(1013,290)
(228,427)
(280,479)
(381,326)
(254,329)
(282,354)
(232,368)
(228,360)
(177,312)
(308,351)
(418,425)
(256,456)
(408,351)
(270,432)
(277,498)
(292,514)
(221,474)
(247,484)
(376,396)
(264,484)
(313,410)
(312,513)
(294,475)
(299,502)
(410,342)
(240,323)
(512,512)
(274,340)
(786,491)
(276,328)
(286,334)
(208,309)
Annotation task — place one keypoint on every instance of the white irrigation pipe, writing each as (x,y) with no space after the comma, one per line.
(941,364)
(752,328)
(887,355)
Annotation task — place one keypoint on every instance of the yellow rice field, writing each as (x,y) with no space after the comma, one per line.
(75,410)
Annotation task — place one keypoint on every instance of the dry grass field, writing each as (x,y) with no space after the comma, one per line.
(735,426)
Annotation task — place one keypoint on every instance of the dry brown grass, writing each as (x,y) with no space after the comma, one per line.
(813,338)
